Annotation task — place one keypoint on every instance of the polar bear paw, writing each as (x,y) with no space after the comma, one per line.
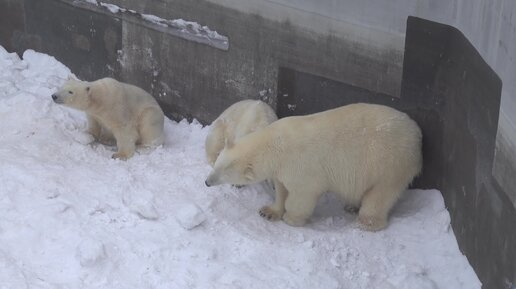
(121,156)
(294,221)
(370,223)
(270,214)
(351,209)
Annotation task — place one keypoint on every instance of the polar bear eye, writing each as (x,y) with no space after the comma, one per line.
(70,92)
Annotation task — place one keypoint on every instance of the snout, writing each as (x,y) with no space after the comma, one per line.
(56,98)
(212,180)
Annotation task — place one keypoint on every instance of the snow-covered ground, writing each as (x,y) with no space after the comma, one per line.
(72,217)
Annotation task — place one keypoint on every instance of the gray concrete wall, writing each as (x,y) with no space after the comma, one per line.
(489,25)
(458,115)
(375,30)
(351,58)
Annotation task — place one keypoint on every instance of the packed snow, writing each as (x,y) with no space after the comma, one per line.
(189,27)
(72,217)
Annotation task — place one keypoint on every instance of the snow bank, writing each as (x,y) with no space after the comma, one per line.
(72,217)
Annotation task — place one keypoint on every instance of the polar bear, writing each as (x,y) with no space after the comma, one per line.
(366,153)
(116,111)
(240,119)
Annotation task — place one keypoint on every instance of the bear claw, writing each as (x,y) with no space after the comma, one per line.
(268,214)
(120,156)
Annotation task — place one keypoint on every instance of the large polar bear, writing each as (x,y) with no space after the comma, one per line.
(366,153)
(240,119)
(116,111)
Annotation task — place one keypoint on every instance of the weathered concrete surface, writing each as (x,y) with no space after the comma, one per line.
(441,63)
(371,35)
(504,168)
(12,21)
(490,25)
(455,98)
(335,55)
(87,42)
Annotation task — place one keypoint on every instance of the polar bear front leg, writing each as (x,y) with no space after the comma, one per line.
(126,143)
(276,210)
(150,127)
(106,137)
(94,127)
(299,206)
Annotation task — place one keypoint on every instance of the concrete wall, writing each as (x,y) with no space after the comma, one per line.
(489,25)
(349,58)
(458,117)
(375,30)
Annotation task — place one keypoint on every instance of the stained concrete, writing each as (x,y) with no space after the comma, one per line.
(12,22)
(455,97)
(335,55)
(490,25)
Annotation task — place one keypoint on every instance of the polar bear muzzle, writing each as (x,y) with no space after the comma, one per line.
(56,99)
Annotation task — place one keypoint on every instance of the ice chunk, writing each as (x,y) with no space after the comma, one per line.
(190,216)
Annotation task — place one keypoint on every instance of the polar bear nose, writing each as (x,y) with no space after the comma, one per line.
(54,97)
(206,183)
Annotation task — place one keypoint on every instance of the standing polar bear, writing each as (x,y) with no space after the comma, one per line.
(236,121)
(116,111)
(366,153)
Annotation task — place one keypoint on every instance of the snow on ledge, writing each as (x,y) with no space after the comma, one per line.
(189,30)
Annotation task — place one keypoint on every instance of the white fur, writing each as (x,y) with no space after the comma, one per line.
(366,153)
(236,121)
(116,111)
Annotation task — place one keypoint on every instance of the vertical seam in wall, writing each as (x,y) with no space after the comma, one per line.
(457,13)
(25,30)
(498,33)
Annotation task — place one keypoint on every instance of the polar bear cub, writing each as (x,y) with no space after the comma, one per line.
(240,119)
(116,111)
(366,153)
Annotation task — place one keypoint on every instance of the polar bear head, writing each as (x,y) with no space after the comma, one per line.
(235,165)
(74,93)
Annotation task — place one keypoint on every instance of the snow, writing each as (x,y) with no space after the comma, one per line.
(185,26)
(72,217)
(190,216)
(111,7)
(188,27)
(155,19)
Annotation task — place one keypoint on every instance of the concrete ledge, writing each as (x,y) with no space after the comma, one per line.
(183,29)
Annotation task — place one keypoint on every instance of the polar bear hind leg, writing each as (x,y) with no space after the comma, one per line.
(376,205)
(150,127)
